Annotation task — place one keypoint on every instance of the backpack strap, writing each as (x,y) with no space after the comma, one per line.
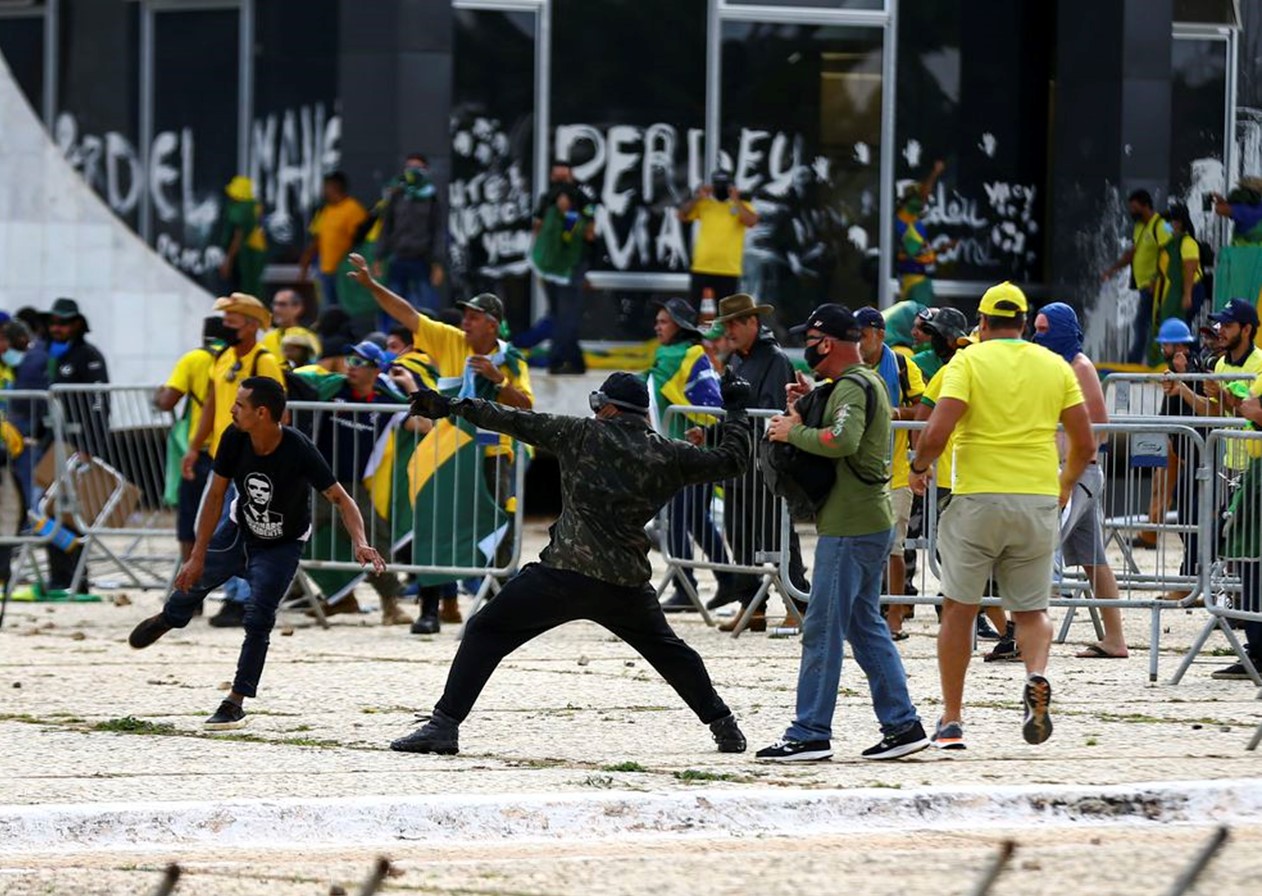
(904,378)
(869,413)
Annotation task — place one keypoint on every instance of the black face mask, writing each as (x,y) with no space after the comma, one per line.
(722,190)
(1137,217)
(940,347)
(231,335)
(814,357)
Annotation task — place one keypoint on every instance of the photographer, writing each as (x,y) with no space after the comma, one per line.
(564,223)
(719,247)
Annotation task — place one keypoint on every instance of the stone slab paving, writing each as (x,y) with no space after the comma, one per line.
(573,712)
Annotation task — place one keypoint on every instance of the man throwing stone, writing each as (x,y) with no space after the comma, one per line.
(1003,399)
(262,537)
(616,473)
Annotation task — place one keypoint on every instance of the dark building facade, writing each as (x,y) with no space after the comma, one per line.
(1046,113)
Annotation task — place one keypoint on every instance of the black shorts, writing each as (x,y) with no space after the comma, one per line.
(723,286)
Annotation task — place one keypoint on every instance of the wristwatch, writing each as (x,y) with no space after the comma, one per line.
(912,466)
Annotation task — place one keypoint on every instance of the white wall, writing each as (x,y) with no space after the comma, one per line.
(58,239)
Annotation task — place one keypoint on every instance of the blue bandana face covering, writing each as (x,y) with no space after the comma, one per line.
(1063,336)
(57,349)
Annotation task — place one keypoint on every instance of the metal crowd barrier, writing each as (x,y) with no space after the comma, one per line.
(1140,394)
(113,482)
(1135,454)
(440,501)
(28,452)
(1232,547)
(442,507)
(735,524)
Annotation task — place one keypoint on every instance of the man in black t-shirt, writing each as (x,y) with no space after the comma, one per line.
(262,537)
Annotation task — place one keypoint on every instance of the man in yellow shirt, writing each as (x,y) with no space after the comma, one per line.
(474,361)
(334,229)
(719,247)
(1003,399)
(905,385)
(244,357)
(190,380)
(288,308)
(1149,235)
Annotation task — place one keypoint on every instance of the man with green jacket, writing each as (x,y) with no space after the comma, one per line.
(856,527)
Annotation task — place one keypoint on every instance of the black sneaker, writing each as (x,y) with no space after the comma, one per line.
(147,632)
(679,602)
(438,735)
(231,615)
(1005,649)
(727,734)
(426,625)
(1038,700)
(895,746)
(785,750)
(1235,672)
(229,715)
(985,631)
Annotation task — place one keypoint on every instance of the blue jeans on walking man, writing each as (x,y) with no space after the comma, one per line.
(269,569)
(845,606)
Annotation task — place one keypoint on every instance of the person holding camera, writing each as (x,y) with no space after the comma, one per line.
(616,475)
(564,222)
(856,528)
(718,248)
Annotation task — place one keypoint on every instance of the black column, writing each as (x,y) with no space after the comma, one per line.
(394,85)
(1111,133)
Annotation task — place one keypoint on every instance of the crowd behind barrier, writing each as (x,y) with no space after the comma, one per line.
(91,475)
(88,476)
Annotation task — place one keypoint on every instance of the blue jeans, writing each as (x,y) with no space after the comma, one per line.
(845,606)
(409,278)
(269,568)
(328,288)
(565,307)
(236,589)
(1143,328)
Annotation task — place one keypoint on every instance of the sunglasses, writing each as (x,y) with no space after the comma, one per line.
(356,361)
(233,372)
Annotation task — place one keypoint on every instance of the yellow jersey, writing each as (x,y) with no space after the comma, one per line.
(227,375)
(945,460)
(1005,442)
(449,352)
(720,244)
(334,229)
(191,376)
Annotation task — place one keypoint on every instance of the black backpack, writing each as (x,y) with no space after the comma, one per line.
(803,479)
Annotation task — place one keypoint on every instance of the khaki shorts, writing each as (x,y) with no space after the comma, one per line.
(900,501)
(1013,536)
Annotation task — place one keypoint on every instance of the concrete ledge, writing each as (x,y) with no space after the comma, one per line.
(375,821)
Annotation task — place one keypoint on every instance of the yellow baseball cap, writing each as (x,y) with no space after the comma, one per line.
(1003,300)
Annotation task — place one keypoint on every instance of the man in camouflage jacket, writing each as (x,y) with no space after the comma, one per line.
(616,473)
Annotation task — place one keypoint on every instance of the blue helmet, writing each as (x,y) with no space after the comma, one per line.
(1174,332)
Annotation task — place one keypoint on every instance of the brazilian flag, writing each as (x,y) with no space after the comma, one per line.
(453,517)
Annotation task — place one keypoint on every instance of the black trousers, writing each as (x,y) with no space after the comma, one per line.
(751,519)
(539,599)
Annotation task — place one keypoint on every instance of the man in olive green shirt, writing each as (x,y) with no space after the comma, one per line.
(856,527)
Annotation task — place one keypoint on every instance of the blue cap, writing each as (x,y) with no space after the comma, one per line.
(1174,332)
(370,351)
(1237,311)
(869,317)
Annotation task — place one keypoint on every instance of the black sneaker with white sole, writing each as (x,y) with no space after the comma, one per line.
(1235,672)
(229,715)
(894,746)
(1038,701)
(785,750)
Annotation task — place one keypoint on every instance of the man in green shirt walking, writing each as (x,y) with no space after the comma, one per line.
(856,527)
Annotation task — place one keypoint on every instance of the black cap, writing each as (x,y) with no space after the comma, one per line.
(870,317)
(1237,311)
(682,313)
(67,309)
(833,320)
(626,391)
(486,303)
